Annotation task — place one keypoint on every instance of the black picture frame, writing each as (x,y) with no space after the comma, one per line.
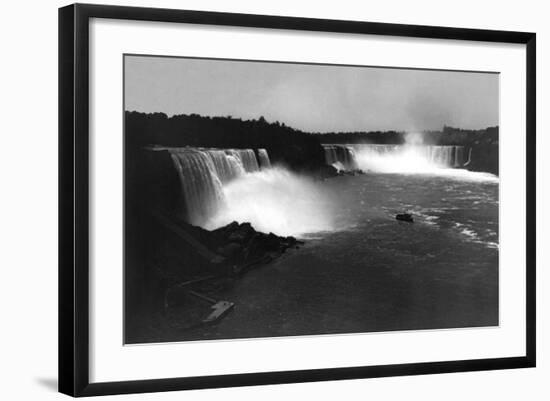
(74,198)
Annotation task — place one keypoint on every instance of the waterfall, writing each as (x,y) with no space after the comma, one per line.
(459,156)
(264,159)
(246,157)
(204,172)
(201,185)
(340,156)
(469,157)
(348,157)
(227,167)
(443,156)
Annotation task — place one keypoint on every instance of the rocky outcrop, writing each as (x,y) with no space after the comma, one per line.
(243,246)
(351,172)
(231,249)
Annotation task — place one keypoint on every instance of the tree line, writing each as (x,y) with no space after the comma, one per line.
(447,136)
(294,148)
(299,150)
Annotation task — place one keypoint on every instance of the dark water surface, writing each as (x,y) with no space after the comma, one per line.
(376,273)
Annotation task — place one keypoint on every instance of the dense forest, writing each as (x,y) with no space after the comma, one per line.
(296,149)
(465,137)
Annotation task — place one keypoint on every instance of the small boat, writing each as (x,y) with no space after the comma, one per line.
(404,217)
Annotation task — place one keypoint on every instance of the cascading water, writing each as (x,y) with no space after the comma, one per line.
(459,156)
(394,158)
(264,159)
(227,167)
(200,181)
(340,156)
(204,172)
(443,156)
(247,158)
(224,185)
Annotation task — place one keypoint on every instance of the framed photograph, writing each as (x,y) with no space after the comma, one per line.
(251,199)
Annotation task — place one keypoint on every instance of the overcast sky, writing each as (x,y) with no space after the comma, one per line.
(313,97)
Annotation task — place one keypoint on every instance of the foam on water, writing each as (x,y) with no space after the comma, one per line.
(411,158)
(473,236)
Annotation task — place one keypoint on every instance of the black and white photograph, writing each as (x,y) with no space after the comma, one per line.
(267,199)
(279,200)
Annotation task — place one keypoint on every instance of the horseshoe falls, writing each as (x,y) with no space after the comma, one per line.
(396,158)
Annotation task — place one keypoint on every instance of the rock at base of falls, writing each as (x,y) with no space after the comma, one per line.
(245,247)
(353,172)
(230,249)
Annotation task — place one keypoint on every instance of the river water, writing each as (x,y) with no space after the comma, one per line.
(363,271)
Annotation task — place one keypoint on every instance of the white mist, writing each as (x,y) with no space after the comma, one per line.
(276,200)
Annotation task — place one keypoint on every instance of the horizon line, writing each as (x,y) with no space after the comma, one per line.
(312,132)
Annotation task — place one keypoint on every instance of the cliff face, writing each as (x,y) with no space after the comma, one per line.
(484,158)
(151,181)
